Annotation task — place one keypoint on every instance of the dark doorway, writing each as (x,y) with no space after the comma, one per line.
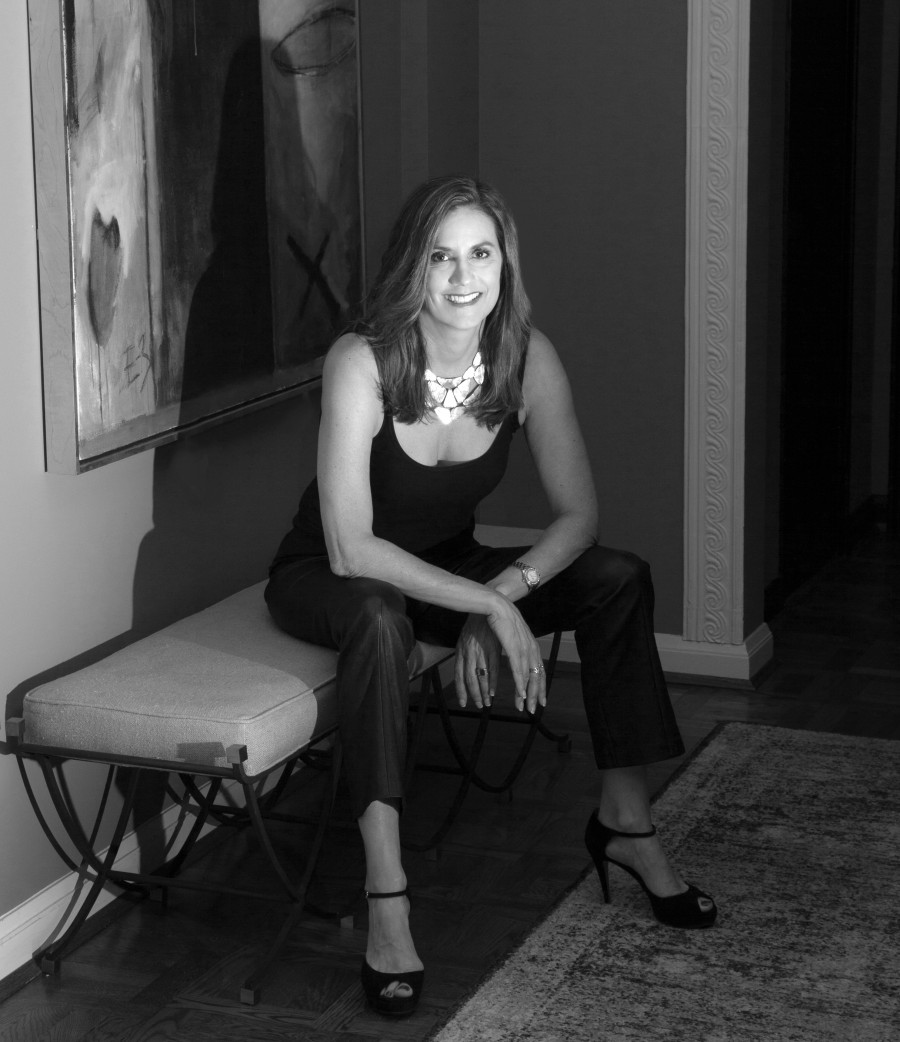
(818,286)
(893,497)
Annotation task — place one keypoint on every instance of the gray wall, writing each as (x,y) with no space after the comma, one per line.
(583,129)
(580,117)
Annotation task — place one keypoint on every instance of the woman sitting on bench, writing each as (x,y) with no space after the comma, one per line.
(419,406)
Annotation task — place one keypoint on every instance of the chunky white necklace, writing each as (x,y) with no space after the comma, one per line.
(452,395)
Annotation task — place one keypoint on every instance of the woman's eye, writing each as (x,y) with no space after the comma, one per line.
(481,254)
(438,257)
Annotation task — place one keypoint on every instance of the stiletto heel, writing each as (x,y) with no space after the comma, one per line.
(686,910)
(602,871)
(391,994)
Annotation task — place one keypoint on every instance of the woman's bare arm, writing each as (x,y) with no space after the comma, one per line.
(558,450)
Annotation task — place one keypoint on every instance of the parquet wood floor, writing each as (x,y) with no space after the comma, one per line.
(151,975)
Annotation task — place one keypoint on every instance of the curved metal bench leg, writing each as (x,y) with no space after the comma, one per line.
(563,741)
(535,725)
(95,872)
(431,683)
(467,764)
(70,863)
(466,769)
(204,803)
(227,814)
(250,989)
(532,721)
(50,954)
(58,789)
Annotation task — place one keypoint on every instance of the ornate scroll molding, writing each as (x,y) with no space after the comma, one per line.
(717,100)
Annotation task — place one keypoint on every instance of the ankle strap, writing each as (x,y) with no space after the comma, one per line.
(630,835)
(393,893)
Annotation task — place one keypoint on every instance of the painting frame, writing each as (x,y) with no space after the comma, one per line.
(72,403)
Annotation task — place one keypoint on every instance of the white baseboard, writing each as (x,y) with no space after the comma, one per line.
(703,659)
(691,658)
(25,928)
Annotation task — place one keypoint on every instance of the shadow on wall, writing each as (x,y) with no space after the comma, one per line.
(213,533)
(221,503)
(222,497)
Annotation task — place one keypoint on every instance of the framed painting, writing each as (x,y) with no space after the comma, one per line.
(199,214)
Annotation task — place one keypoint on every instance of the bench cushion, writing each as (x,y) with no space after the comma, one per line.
(224,676)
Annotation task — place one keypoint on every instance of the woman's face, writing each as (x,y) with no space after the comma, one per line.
(465,267)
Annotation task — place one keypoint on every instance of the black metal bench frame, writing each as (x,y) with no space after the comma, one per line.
(466,765)
(198,808)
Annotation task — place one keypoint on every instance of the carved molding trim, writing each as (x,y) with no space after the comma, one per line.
(717,101)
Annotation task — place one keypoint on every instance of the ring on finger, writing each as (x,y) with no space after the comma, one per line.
(481,671)
(537,670)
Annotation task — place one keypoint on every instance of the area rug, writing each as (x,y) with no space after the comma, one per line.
(797,834)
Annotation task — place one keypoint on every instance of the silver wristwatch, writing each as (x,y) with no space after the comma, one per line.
(530,575)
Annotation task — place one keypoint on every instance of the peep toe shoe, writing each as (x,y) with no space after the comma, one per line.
(691,909)
(391,994)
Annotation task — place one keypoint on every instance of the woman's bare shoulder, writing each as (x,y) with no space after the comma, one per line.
(350,358)
(542,356)
(352,349)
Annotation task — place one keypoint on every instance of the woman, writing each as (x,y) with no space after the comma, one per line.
(419,405)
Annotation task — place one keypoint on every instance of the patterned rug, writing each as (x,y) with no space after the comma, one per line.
(797,834)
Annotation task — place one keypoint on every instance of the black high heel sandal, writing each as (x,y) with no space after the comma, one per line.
(684,910)
(391,994)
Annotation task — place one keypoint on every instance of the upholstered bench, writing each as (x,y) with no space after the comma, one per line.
(184,696)
(222,694)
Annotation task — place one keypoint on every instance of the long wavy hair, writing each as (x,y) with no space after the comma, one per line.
(390,319)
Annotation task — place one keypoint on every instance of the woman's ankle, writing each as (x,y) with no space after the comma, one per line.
(625,801)
(386,883)
(625,819)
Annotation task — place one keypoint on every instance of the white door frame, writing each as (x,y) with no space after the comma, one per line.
(713,633)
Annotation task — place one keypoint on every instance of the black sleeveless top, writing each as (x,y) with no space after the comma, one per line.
(415,506)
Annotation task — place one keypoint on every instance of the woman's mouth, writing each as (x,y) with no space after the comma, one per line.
(462,299)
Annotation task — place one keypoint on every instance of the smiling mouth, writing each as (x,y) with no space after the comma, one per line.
(462,299)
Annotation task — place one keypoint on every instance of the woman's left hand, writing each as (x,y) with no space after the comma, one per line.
(477,662)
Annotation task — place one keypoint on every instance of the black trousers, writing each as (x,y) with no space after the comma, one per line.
(605,596)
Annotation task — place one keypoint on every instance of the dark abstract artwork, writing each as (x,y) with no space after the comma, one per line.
(212,210)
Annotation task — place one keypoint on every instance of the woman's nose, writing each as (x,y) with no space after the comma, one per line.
(461,273)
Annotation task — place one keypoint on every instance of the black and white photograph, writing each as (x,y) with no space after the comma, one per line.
(451,521)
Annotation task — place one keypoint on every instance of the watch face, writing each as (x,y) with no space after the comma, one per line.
(531,576)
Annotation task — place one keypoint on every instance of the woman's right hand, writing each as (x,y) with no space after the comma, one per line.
(523,652)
